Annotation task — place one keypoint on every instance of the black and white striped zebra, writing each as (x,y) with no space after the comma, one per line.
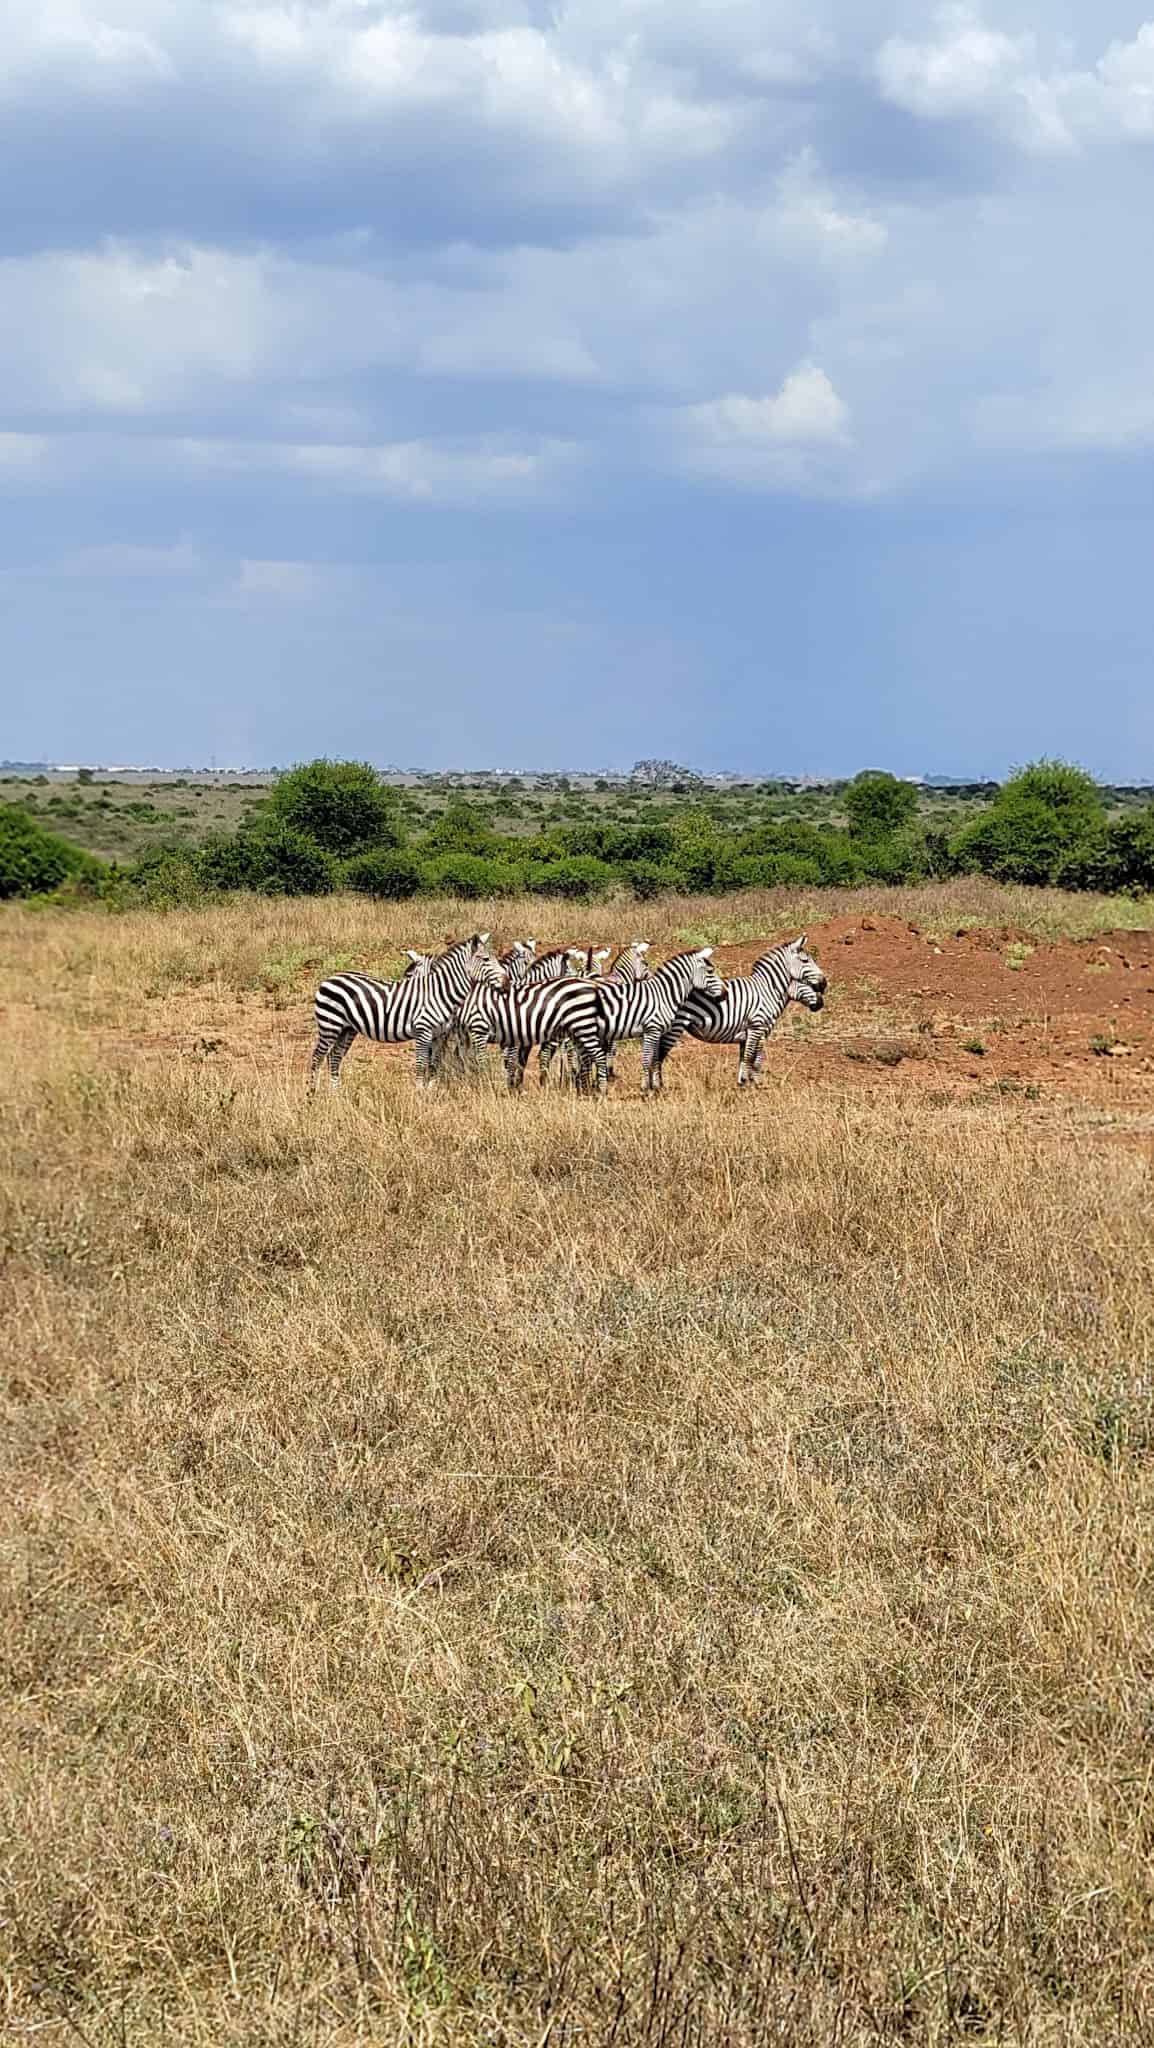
(749,1006)
(645,1009)
(420,1006)
(630,965)
(537,1013)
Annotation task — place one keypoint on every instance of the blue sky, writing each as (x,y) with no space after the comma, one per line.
(493,383)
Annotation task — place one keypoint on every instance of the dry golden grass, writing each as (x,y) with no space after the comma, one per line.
(508,1573)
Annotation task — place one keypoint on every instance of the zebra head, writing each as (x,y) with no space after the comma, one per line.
(589,961)
(552,966)
(631,965)
(485,972)
(705,974)
(519,958)
(807,983)
(419,963)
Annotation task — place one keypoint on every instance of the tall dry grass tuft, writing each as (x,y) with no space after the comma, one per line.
(487,1572)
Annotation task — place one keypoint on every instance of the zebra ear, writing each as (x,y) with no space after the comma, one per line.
(481,939)
(641,945)
(799,942)
(707,952)
(411,955)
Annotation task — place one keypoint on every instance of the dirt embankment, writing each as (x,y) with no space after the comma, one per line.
(975,1009)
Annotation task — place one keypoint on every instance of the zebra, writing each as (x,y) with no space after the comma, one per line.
(519,959)
(749,1006)
(418,1006)
(534,1013)
(630,965)
(645,1009)
(587,962)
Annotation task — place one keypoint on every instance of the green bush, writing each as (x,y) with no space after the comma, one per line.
(1048,819)
(166,877)
(33,861)
(579,878)
(650,878)
(341,806)
(776,870)
(469,876)
(383,872)
(878,804)
(270,857)
(462,828)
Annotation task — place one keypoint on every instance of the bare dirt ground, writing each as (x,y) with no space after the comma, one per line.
(1051,1029)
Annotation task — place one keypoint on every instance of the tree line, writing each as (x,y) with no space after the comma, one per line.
(331,825)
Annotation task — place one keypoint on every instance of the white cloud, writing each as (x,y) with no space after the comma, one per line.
(125,559)
(294,581)
(970,69)
(806,409)
(47,38)
(465,471)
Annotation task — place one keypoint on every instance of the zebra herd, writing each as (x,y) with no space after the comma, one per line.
(524,1001)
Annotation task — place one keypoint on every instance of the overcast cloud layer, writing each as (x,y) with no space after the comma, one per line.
(498,383)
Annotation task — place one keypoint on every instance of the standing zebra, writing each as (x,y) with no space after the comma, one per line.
(519,959)
(630,965)
(587,961)
(645,1009)
(535,1013)
(419,1006)
(749,1006)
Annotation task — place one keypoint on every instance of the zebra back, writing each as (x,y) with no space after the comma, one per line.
(428,992)
(630,1009)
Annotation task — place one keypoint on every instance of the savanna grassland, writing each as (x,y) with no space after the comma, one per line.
(549,1571)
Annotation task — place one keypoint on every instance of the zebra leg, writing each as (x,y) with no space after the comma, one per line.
(333,1050)
(545,1060)
(591,1056)
(516,1060)
(747,1060)
(652,1078)
(337,1052)
(425,1043)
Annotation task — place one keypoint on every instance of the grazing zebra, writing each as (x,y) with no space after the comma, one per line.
(645,1009)
(535,1013)
(749,1006)
(418,1006)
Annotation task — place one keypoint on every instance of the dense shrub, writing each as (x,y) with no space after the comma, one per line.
(470,875)
(1046,819)
(167,877)
(342,806)
(33,861)
(269,857)
(384,872)
(649,878)
(463,828)
(580,878)
(878,804)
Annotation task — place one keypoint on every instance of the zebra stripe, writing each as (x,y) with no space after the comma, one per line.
(749,1006)
(517,1019)
(417,1006)
(630,965)
(645,1009)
